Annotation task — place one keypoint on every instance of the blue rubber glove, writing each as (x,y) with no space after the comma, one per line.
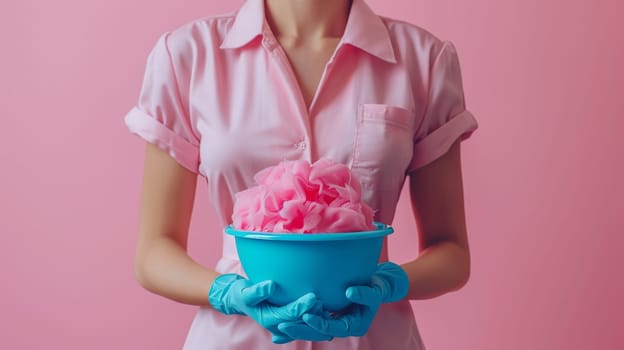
(388,284)
(234,294)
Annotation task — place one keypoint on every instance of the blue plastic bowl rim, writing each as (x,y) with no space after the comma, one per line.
(382,230)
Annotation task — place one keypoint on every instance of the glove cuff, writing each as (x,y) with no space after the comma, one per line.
(218,294)
(397,278)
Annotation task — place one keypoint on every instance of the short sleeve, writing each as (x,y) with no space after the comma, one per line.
(446,118)
(161,116)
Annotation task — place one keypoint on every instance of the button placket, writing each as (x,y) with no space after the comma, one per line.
(271,44)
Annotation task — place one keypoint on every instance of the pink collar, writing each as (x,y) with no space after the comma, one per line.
(364,29)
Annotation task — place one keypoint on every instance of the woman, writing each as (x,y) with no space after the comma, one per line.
(226,96)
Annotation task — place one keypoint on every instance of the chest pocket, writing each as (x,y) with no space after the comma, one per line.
(383,138)
(382,151)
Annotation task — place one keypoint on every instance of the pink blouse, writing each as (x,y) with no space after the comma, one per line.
(220,96)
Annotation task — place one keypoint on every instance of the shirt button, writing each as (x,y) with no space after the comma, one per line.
(269,42)
(302,145)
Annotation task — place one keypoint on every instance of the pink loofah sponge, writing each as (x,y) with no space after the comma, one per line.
(299,197)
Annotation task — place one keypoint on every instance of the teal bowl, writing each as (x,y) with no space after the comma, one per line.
(323,263)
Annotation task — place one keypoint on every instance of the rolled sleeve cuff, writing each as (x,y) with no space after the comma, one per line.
(440,140)
(148,128)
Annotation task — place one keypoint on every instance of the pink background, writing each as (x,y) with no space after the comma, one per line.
(541,175)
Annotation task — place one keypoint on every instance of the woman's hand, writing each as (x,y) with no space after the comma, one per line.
(388,284)
(234,294)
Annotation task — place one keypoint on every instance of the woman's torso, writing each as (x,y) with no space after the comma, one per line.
(246,108)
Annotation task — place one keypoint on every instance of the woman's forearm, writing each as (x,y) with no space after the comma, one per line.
(164,268)
(439,269)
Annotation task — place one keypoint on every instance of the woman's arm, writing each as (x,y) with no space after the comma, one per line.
(443,264)
(162,264)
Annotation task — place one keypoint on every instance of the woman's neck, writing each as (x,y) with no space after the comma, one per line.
(307,19)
